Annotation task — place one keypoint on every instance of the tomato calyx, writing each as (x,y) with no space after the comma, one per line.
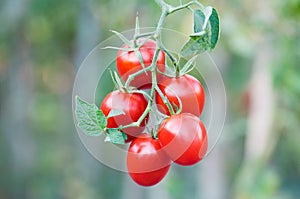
(133,45)
(181,67)
(185,92)
(118,82)
(136,67)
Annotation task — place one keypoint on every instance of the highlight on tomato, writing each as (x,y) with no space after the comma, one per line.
(147,164)
(132,104)
(183,137)
(187,88)
(128,63)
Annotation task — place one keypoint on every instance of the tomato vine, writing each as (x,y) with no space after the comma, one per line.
(141,64)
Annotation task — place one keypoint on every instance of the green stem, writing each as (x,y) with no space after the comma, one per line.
(156,34)
(132,76)
(166,10)
(174,9)
(141,92)
(165,100)
(152,92)
(146,34)
(169,54)
(161,21)
(198,4)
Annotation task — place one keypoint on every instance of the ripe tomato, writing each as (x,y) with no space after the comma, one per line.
(147,164)
(132,104)
(128,63)
(183,138)
(185,87)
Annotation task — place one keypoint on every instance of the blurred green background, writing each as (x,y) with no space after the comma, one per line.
(42,44)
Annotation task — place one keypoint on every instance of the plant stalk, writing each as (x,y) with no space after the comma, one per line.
(166,10)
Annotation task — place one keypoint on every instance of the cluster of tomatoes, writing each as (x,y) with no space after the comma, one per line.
(180,138)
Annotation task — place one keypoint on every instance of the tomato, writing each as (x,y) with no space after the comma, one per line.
(147,164)
(187,88)
(183,137)
(132,104)
(128,63)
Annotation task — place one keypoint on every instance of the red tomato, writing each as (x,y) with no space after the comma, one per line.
(132,104)
(128,63)
(147,164)
(183,138)
(187,88)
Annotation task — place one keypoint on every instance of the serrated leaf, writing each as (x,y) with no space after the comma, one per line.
(214,28)
(89,118)
(199,19)
(124,136)
(196,45)
(101,119)
(115,136)
(114,112)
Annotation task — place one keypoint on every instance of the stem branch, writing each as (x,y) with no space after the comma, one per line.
(132,76)
(166,10)
(165,100)
(174,9)
(153,68)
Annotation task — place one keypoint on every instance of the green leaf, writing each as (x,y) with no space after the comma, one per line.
(101,119)
(207,12)
(214,28)
(114,112)
(206,32)
(196,45)
(90,119)
(115,136)
(124,136)
(199,19)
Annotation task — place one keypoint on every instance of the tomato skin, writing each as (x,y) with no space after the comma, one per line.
(132,104)
(128,63)
(147,164)
(187,88)
(183,137)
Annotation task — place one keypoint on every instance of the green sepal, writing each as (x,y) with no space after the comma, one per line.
(122,37)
